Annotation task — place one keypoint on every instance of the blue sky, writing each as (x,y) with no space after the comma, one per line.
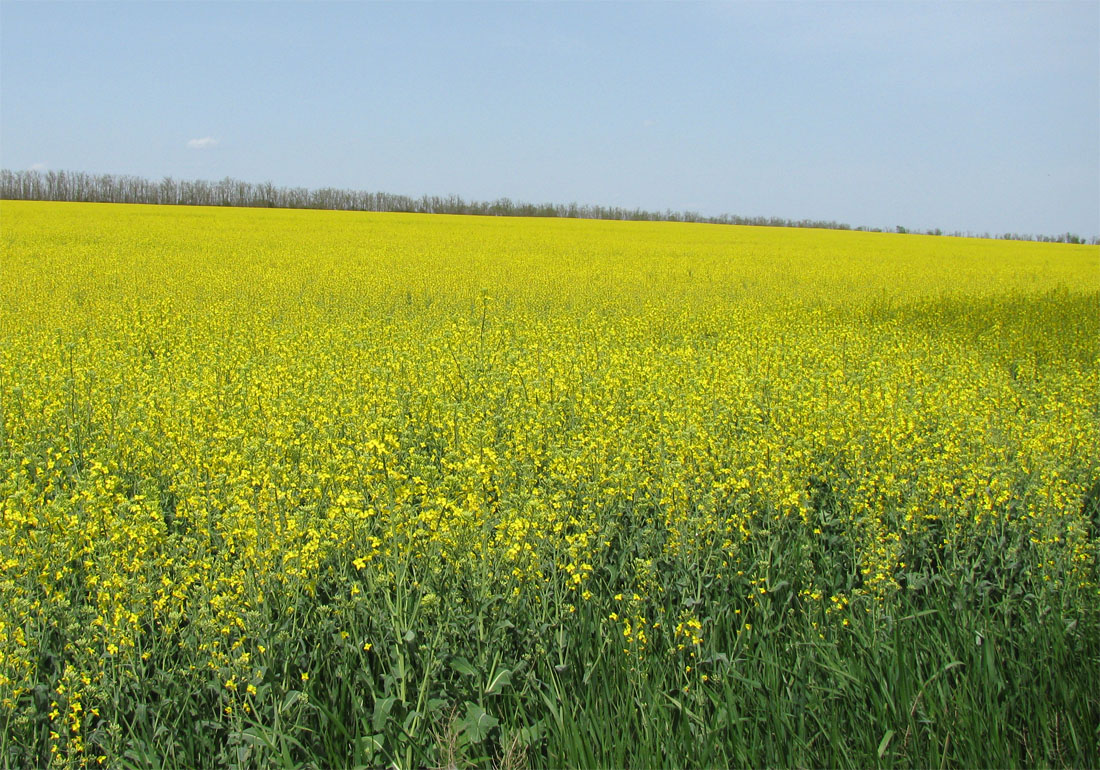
(965,116)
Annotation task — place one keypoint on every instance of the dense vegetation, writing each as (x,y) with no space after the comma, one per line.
(332,489)
(76,186)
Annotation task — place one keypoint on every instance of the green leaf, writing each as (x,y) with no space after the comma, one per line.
(463,666)
(252,737)
(531,734)
(477,723)
(367,747)
(290,699)
(382,709)
(500,680)
(884,743)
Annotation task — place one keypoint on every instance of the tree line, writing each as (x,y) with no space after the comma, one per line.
(122,188)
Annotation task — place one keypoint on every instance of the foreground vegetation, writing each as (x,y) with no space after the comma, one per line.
(330,489)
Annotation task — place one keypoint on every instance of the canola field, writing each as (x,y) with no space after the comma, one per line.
(330,489)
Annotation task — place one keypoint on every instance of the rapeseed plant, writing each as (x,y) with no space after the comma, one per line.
(280,487)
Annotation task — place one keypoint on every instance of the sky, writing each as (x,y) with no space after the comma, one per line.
(965,116)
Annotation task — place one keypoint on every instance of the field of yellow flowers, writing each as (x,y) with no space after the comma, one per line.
(335,489)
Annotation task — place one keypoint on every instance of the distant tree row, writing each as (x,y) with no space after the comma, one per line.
(111,188)
(115,188)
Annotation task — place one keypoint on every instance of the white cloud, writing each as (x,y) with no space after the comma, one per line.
(205,143)
(649,122)
(39,167)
